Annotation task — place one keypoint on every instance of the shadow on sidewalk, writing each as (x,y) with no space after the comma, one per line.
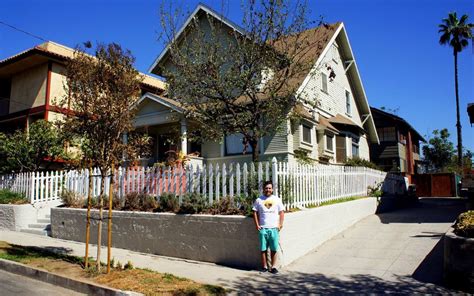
(304,283)
(431,268)
(426,210)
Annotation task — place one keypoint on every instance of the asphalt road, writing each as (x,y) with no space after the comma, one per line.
(13,284)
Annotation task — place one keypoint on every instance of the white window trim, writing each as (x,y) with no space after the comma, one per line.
(335,50)
(350,102)
(356,144)
(326,140)
(310,134)
(327,80)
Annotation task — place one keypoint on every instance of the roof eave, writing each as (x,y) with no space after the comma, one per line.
(154,67)
(353,72)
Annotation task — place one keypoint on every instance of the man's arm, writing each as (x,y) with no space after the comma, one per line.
(282,218)
(255,219)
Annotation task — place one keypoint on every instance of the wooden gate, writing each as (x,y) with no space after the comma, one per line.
(435,185)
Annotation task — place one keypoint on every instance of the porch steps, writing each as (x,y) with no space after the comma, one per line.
(41,227)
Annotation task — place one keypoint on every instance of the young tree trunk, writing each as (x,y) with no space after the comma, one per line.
(88,223)
(254,144)
(99,226)
(109,222)
(458,120)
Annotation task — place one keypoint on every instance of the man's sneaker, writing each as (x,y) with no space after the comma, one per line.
(274,270)
(264,269)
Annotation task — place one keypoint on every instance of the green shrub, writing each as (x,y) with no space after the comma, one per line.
(132,202)
(464,225)
(148,203)
(169,203)
(225,206)
(94,202)
(72,199)
(303,157)
(140,202)
(128,265)
(245,203)
(375,191)
(116,202)
(10,197)
(193,203)
(357,161)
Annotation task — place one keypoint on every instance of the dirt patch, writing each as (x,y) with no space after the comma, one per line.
(144,281)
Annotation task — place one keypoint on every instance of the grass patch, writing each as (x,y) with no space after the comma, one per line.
(139,280)
(335,201)
(10,197)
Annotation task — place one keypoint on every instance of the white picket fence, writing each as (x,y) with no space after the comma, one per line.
(298,185)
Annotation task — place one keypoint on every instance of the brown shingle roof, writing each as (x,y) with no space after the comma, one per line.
(313,42)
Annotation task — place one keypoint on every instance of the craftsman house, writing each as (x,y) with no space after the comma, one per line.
(399,149)
(336,126)
(32,85)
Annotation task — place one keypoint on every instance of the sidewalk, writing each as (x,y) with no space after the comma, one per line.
(397,252)
(202,272)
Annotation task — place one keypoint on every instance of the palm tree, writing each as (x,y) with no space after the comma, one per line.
(456,33)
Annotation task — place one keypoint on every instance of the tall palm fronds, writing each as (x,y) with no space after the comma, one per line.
(456,33)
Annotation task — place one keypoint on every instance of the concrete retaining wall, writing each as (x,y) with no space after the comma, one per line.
(227,240)
(458,271)
(16,217)
(306,230)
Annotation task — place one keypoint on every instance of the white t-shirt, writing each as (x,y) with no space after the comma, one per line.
(268,209)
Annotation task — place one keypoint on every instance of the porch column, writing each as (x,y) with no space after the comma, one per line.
(184,136)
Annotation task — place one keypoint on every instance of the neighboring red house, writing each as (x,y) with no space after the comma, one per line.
(399,149)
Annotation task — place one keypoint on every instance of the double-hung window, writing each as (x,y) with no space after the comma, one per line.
(348,103)
(324,80)
(329,142)
(355,147)
(306,131)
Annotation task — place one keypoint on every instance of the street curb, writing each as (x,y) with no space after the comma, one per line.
(68,283)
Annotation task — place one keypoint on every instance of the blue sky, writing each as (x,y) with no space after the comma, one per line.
(395,45)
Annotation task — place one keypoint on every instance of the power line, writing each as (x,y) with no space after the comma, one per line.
(23,31)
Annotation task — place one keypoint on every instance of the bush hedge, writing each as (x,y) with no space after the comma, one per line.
(464,225)
(10,197)
(191,203)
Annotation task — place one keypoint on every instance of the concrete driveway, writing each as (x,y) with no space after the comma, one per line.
(396,252)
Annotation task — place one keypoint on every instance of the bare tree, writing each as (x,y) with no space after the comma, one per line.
(240,81)
(102,91)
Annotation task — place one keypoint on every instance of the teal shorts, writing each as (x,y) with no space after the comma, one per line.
(269,239)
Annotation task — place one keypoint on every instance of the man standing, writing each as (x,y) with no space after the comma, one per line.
(268,215)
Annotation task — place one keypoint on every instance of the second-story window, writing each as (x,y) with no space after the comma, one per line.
(324,81)
(306,133)
(348,103)
(387,134)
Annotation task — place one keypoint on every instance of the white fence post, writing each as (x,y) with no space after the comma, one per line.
(275,176)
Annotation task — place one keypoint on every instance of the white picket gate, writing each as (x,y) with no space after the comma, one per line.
(298,185)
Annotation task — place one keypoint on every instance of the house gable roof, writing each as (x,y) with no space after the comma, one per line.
(339,35)
(48,51)
(396,119)
(201,8)
(320,38)
(172,104)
